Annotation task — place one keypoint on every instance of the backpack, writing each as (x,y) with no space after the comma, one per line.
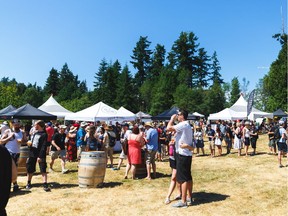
(277,135)
(112,140)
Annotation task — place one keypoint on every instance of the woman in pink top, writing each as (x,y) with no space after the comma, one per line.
(135,143)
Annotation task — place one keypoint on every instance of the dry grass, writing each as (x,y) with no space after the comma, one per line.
(226,185)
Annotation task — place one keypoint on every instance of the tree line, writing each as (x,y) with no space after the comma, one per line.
(186,76)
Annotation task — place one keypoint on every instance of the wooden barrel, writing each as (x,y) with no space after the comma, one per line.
(24,154)
(141,170)
(92,168)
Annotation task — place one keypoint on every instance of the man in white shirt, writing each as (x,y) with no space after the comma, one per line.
(184,146)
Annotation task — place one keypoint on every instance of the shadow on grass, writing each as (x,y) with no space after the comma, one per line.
(19,193)
(204,197)
(55,185)
(110,184)
(158,175)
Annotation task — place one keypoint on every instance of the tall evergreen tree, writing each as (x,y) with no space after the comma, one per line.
(183,55)
(275,82)
(141,60)
(125,91)
(235,90)
(202,73)
(157,62)
(99,83)
(52,83)
(215,69)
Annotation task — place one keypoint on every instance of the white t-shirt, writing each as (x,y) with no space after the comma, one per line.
(184,135)
(13,146)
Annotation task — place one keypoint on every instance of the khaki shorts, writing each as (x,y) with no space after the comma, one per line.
(212,144)
(55,154)
(150,157)
(109,151)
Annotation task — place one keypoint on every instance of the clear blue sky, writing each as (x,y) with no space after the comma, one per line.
(38,35)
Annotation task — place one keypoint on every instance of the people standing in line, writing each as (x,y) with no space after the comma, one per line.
(123,137)
(253,138)
(80,143)
(8,172)
(184,148)
(172,162)
(58,148)
(135,143)
(107,148)
(151,139)
(198,136)
(37,153)
(246,136)
(13,140)
(218,141)
(237,138)
(50,133)
(282,144)
(90,139)
(210,134)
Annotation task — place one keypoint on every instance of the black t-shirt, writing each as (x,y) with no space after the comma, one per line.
(210,132)
(59,139)
(5,178)
(39,145)
(272,129)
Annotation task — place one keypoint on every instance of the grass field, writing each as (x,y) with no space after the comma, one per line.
(226,185)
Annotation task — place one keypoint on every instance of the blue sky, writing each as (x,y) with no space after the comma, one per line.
(38,35)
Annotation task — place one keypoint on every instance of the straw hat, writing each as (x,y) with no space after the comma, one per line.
(149,124)
(62,126)
(108,127)
(247,123)
(72,129)
(83,124)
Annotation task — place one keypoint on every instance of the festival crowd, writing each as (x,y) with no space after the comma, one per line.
(178,139)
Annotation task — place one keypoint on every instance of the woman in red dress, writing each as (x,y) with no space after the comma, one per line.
(71,144)
(135,143)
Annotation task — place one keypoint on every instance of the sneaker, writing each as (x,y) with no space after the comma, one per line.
(180,204)
(189,201)
(28,186)
(280,166)
(15,188)
(46,188)
(115,168)
(167,201)
(64,171)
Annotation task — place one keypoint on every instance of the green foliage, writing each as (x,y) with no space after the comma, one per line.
(52,83)
(215,69)
(275,82)
(141,60)
(235,90)
(215,98)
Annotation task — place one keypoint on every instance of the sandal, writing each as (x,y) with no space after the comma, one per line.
(167,201)
(178,197)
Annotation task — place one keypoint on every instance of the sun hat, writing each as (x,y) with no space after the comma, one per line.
(149,124)
(108,127)
(247,123)
(15,121)
(62,126)
(72,129)
(83,124)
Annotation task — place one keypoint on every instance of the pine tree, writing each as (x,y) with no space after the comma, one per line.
(215,100)
(157,64)
(215,69)
(183,55)
(141,60)
(52,83)
(235,91)
(275,82)
(202,73)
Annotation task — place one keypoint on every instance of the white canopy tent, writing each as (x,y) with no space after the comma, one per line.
(143,115)
(239,111)
(99,111)
(198,114)
(226,114)
(125,115)
(52,107)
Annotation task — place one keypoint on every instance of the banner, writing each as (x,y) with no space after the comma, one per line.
(250,102)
